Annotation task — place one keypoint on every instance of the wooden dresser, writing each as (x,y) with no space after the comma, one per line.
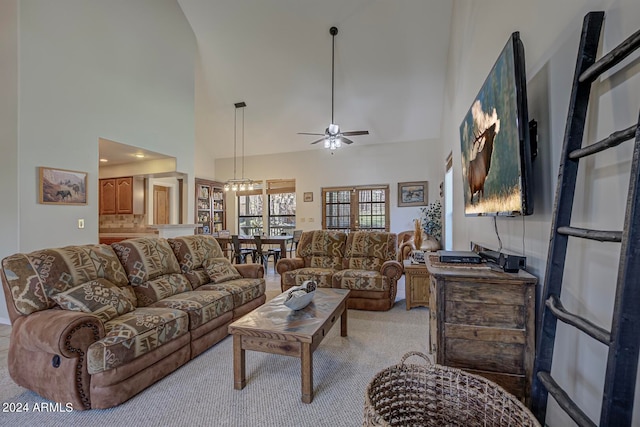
(483,321)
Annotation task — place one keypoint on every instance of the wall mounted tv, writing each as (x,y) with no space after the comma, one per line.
(495,141)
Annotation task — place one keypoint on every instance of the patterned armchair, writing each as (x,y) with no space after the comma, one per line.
(319,253)
(370,270)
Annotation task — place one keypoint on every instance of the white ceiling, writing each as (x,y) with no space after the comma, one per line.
(275,55)
(116,153)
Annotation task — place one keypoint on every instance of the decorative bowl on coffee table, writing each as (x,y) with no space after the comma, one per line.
(299,297)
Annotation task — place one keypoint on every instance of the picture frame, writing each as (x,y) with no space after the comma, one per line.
(414,193)
(308,196)
(61,186)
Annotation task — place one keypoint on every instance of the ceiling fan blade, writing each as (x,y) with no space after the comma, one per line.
(356,132)
(319,140)
(346,140)
(307,133)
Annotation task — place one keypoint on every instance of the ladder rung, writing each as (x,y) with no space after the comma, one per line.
(564,400)
(600,235)
(594,331)
(612,58)
(612,140)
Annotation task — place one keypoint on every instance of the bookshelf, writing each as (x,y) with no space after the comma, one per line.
(210,206)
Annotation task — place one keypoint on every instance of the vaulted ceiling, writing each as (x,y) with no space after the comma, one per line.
(275,55)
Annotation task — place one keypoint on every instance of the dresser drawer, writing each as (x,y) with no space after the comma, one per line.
(491,315)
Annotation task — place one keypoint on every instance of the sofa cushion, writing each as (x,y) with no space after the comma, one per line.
(152,269)
(99,297)
(146,258)
(134,334)
(191,252)
(220,270)
(242,290)
(33,277)
(322,276)
(322,248)
(201,305)
(160,288)
(368,250)
(361,280)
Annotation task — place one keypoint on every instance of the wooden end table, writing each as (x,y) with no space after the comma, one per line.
(416,285)
(274,328)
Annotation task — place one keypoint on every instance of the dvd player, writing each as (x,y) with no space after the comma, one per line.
(466,257)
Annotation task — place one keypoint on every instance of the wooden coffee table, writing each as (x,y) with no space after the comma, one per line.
(274,328)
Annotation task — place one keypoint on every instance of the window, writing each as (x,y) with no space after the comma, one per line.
(356,208)
(448,204)
(250,209)
(282,206)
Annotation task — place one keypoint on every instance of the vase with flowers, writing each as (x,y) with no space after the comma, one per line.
(431,220)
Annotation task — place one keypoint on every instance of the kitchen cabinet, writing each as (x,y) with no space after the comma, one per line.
(121,196)
(210,206)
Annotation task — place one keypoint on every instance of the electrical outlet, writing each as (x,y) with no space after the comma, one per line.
(81,223)
(311,220)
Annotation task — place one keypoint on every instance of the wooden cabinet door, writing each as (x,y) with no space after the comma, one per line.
(124,195)
(107,196)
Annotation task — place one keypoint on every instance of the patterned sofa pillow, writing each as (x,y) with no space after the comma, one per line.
(220,270)
(99,297)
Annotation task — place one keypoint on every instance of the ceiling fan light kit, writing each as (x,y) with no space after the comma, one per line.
(332,137)
(238,184)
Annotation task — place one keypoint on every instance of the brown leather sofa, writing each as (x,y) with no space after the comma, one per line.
(362,261)
(94,325)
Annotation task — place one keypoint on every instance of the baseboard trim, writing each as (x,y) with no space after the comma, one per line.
(5,321)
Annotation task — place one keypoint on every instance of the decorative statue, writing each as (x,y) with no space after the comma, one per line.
(417,234)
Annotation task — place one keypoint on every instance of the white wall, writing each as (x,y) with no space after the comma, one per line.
(117,69)
(8,134)
(351,165)
(550,31)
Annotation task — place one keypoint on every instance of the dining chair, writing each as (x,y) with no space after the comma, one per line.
(240,253)
(227,248)
(263,255)
(294,242)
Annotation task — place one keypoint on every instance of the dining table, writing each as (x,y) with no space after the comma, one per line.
(266,240)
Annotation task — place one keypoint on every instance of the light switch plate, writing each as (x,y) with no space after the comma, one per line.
(81,223)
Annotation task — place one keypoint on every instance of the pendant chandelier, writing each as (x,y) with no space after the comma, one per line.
(242,183)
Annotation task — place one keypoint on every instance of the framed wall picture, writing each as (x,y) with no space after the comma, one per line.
(308,196)
(413,193)
(62,187)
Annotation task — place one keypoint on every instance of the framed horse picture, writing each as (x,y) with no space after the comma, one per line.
(413,193)
(62,187)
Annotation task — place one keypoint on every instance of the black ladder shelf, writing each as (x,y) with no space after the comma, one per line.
(623,340)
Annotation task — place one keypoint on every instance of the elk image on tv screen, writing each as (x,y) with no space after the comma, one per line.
(494,140)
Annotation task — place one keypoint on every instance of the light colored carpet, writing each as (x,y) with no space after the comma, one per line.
(201,393)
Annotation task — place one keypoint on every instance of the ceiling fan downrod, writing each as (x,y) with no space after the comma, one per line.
(333,31)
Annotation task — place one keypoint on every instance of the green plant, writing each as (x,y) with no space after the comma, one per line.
(431,218)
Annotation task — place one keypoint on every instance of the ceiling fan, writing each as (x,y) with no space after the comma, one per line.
(332,136)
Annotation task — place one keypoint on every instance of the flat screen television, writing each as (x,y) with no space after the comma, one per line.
(495,141)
